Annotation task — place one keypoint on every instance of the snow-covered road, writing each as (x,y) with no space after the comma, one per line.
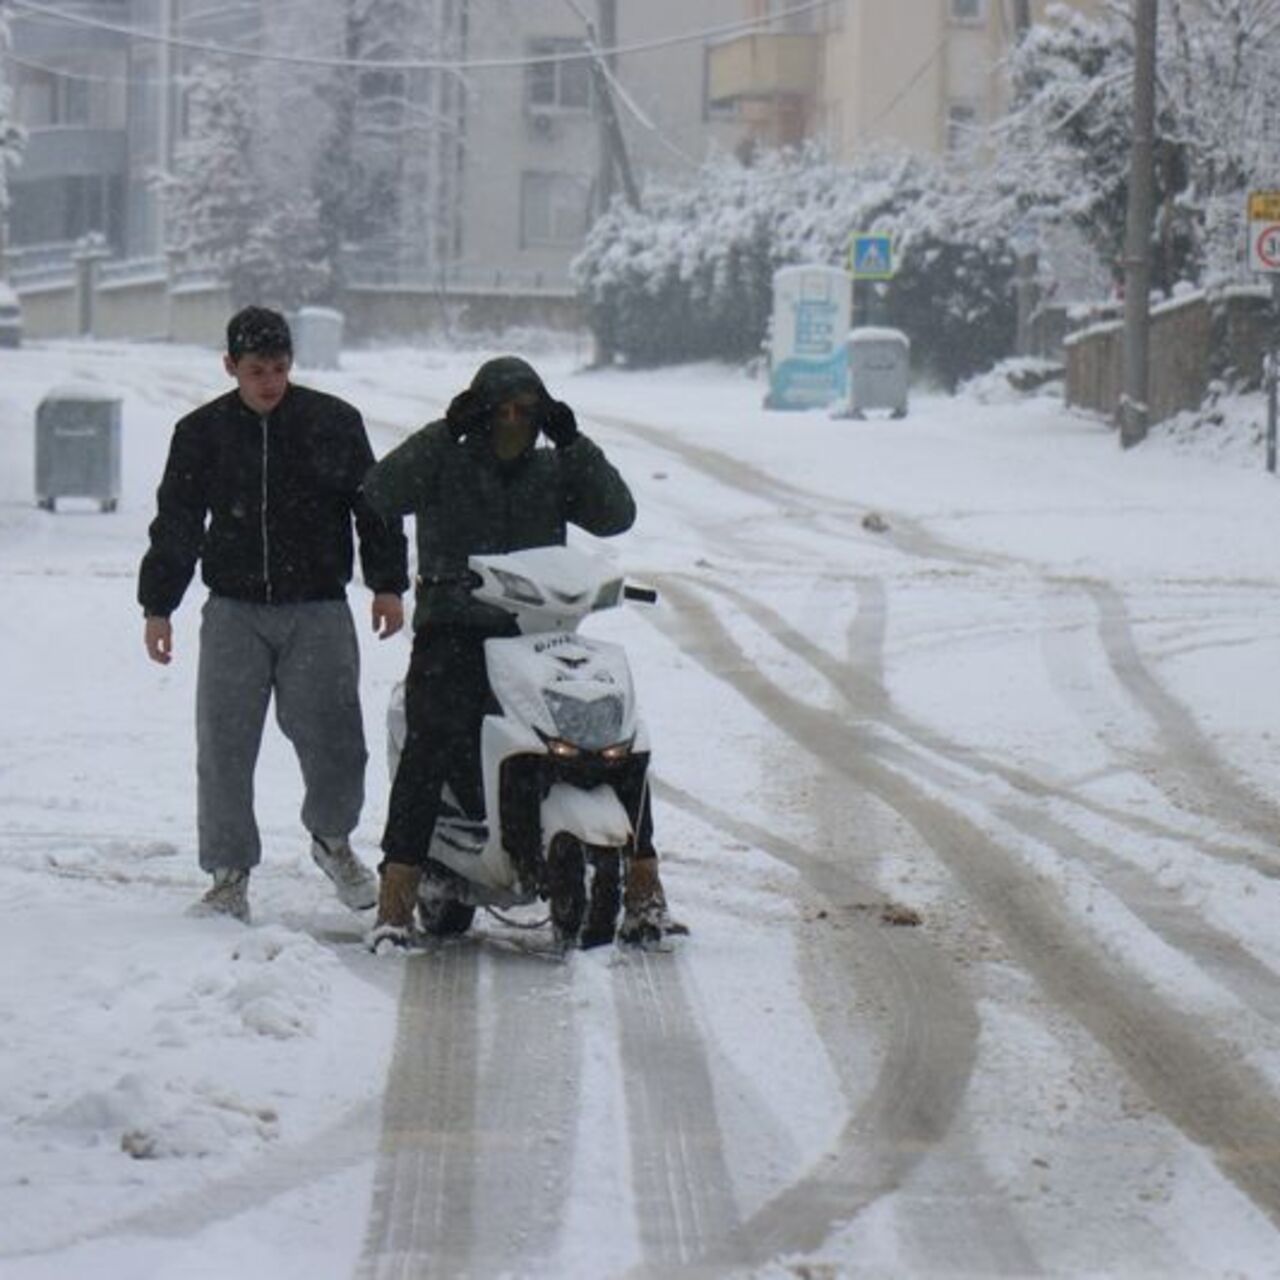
(965,745)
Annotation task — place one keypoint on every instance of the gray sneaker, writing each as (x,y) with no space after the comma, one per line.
(356,885)
(229,896)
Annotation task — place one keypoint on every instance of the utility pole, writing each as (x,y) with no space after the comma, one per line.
(1021,17)
(1134,411)
(607,14)
(613,146)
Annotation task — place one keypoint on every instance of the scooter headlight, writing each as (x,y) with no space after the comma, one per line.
(589,724)
(518,588)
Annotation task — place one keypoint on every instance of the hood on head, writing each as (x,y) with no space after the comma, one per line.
(502,379)
(506,376)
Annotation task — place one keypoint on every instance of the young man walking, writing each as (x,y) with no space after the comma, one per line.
(262,486)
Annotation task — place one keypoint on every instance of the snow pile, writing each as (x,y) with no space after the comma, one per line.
(1014,379)
(1230,429)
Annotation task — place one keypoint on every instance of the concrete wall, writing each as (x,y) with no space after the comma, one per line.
(50,310)
(132,309)
(199,314)
(145,309)
(381,314)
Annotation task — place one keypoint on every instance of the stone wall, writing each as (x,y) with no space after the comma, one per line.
(1194,339)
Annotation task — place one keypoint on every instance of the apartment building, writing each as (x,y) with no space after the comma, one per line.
(917,74)
(490,173)
(541,160)
(103,108)
(68,87)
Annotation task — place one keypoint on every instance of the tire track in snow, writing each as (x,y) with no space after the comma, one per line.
(1217,952)
(347,1143)
(1187,756)
(904,534)
(1195,1079)
(861,685)
(480,1108)
(420,1225)
(921,1082)
(684,1200)
(527,1110)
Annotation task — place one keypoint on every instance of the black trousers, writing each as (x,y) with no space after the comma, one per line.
(446,697)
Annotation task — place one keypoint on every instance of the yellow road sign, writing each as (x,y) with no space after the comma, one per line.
(1264,206)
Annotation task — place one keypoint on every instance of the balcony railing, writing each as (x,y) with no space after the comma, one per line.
(61,151)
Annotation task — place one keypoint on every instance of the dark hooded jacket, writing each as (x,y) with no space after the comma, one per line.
(468,503)
(266,506)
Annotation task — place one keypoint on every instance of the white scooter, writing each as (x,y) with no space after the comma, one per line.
(563,758)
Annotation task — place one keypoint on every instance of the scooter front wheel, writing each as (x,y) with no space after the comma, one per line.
(566,890)
(584,885)
(444,917)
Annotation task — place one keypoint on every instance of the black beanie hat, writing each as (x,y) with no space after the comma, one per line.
(258,331)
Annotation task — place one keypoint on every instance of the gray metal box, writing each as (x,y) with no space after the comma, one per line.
(879,370)
(78,447)
(317,337)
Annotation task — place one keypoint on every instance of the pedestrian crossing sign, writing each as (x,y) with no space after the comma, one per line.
(871,256)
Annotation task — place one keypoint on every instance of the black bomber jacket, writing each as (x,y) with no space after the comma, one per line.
(266,503)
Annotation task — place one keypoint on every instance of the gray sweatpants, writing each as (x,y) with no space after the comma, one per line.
(307,655)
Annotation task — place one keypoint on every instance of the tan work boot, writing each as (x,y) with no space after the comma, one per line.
(229,896)
(397,900)
(644,916)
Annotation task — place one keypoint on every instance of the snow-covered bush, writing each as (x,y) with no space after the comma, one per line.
(690,276)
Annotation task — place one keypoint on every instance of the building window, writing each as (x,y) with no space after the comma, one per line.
(967,10)
(553,209)
(557,86)
(962,127)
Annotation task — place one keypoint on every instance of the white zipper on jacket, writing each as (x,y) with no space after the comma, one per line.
(266,555)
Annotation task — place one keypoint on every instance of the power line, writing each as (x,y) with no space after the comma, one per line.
(412,64)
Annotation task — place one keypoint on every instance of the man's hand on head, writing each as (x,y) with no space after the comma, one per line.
(560,425)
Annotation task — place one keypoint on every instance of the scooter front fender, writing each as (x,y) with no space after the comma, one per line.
(595,816)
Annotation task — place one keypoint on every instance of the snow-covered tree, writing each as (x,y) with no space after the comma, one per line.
(387,170)
(1063,149)
(223,215)
(1221,78)
(11,135)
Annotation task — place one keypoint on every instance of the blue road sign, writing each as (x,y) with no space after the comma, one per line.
(871,256)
